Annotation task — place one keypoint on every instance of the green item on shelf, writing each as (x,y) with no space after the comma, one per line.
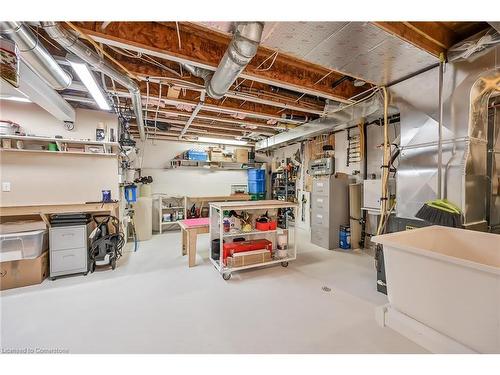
(258,197)
(52,147)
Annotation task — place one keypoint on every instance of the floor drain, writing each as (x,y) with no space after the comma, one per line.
(326,289)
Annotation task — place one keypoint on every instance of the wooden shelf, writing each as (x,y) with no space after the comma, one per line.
(241,233)
(59,152)
(63,140)
(205,164)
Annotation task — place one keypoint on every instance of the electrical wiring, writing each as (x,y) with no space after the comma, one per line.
(91,41)
(145,58)
(178,34)
(270,65)
(385,167)
(157,109)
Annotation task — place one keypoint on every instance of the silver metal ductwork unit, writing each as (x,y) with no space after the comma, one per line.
(334,120)
(241,50)
(35,55)
(72,44)
(468,87)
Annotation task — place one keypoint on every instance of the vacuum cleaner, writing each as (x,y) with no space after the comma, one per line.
(106,246)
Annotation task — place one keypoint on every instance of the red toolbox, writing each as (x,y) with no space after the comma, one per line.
(237,247)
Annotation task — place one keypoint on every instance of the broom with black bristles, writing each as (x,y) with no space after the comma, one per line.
(441,211)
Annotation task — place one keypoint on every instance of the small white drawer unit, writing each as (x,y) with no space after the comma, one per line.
(68,250)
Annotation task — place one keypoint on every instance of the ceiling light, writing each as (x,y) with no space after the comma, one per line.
(83,72)
(222,141)
(15,98)
(359,83)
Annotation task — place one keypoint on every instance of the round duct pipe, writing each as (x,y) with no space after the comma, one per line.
(35,55)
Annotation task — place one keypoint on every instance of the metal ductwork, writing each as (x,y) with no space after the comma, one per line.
(72,44)
(465,138)
(241,50)
(471,47)
(35,55)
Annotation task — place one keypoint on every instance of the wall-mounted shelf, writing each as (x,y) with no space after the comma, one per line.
(52,139)
(59,152)
(205,164)
(66,146)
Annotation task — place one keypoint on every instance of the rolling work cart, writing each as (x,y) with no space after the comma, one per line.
(246,235)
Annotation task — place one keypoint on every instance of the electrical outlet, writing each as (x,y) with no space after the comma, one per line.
(5,186)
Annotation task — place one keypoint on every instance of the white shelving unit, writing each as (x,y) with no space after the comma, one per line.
(109,148)
(163,204)
(255,209)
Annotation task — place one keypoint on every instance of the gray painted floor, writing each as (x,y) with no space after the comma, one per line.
(153,303)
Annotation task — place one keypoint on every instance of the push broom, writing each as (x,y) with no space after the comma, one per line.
(441,211)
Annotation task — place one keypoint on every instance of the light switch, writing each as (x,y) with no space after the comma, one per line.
(5,186)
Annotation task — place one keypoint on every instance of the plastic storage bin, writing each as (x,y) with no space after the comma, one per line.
(23,245)
(448,280)
(256,181)
(197,155)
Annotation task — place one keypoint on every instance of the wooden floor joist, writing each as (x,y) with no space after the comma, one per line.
(205,47)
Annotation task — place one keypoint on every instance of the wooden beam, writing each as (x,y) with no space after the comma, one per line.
(214,119)
(204,47)
(408,33)
(433,37)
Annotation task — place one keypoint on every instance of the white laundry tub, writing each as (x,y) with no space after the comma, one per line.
(447,279)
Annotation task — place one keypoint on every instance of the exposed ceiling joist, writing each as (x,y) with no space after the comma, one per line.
(204,48)
(433,37)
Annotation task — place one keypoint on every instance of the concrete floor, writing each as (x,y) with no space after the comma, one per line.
(153,303)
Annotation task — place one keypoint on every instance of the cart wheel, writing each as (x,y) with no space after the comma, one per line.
(85,273)
(226,275)
(92,267)
(52,278)
(113,263)
(284,264)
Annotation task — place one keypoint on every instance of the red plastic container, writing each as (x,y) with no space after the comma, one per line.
(262,226)
(230,248)
(271,225)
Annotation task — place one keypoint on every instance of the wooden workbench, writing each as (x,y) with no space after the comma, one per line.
(190,230)
(44,210)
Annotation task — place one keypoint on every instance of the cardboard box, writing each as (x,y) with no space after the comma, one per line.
(216,155)
(241,155)
(248,258)
(24,272)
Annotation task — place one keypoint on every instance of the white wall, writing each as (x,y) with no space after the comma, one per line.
(53,178)
(36,120)
(182,181)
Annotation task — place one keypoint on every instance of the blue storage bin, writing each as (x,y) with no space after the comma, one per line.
(256,174)
(197,155)
(257,187)
(256,181)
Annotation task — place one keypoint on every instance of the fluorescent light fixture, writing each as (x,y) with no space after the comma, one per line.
(83,72)
(222,141)
(15,98)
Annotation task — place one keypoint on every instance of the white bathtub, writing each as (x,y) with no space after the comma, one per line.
(443,286)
